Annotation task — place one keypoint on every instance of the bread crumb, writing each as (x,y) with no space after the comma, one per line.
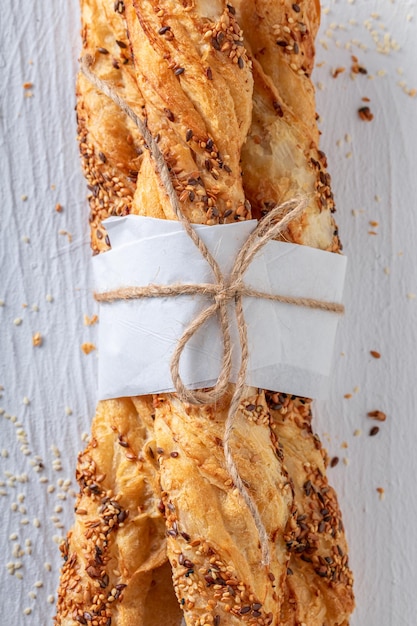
(27,85)
(344,445)
(375,354)
(357,432)
(365,114)
(337,71)
(347,396)
(37,340)
(380,416)
(381,492)
(90,321)
(346,461)
(411,296)
(59,208)
(87,347)
(65,233)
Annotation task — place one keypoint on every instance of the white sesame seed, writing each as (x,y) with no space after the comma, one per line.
(13,537)
(14,507)
(51,599)
(32,595)
(47,566)
(24,521)
(26,400)
(51,489)
(36,522)
(4,453)
(35,308)
(49,298)
(19,575)
(22,510)
(2,303)
(38,584)
(17,321)
(68,411)
(27,611)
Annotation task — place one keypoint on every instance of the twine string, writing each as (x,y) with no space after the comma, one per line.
(223,290)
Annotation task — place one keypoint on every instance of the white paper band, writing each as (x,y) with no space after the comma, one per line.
(290,346)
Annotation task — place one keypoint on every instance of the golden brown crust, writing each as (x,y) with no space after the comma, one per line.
(319,585)
(184,68)
(115,552)
(281,158)
(220,555)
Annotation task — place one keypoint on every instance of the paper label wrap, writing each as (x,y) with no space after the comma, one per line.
(290,346)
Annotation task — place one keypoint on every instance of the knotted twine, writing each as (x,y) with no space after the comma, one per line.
(224,290)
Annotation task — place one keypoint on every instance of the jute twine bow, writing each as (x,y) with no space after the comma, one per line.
(224,290)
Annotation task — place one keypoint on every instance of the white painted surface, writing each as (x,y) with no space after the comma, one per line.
(377,182)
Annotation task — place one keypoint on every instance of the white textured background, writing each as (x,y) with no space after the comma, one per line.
(48,393)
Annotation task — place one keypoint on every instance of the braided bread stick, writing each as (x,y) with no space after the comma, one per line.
(281,158)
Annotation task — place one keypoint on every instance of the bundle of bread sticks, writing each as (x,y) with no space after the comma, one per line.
(161,535)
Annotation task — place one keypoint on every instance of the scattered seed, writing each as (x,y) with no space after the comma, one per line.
(37,340)
(365,114)
(374,431)
(87,347)
(377,415)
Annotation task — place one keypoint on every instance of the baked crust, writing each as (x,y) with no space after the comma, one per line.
(158,516)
